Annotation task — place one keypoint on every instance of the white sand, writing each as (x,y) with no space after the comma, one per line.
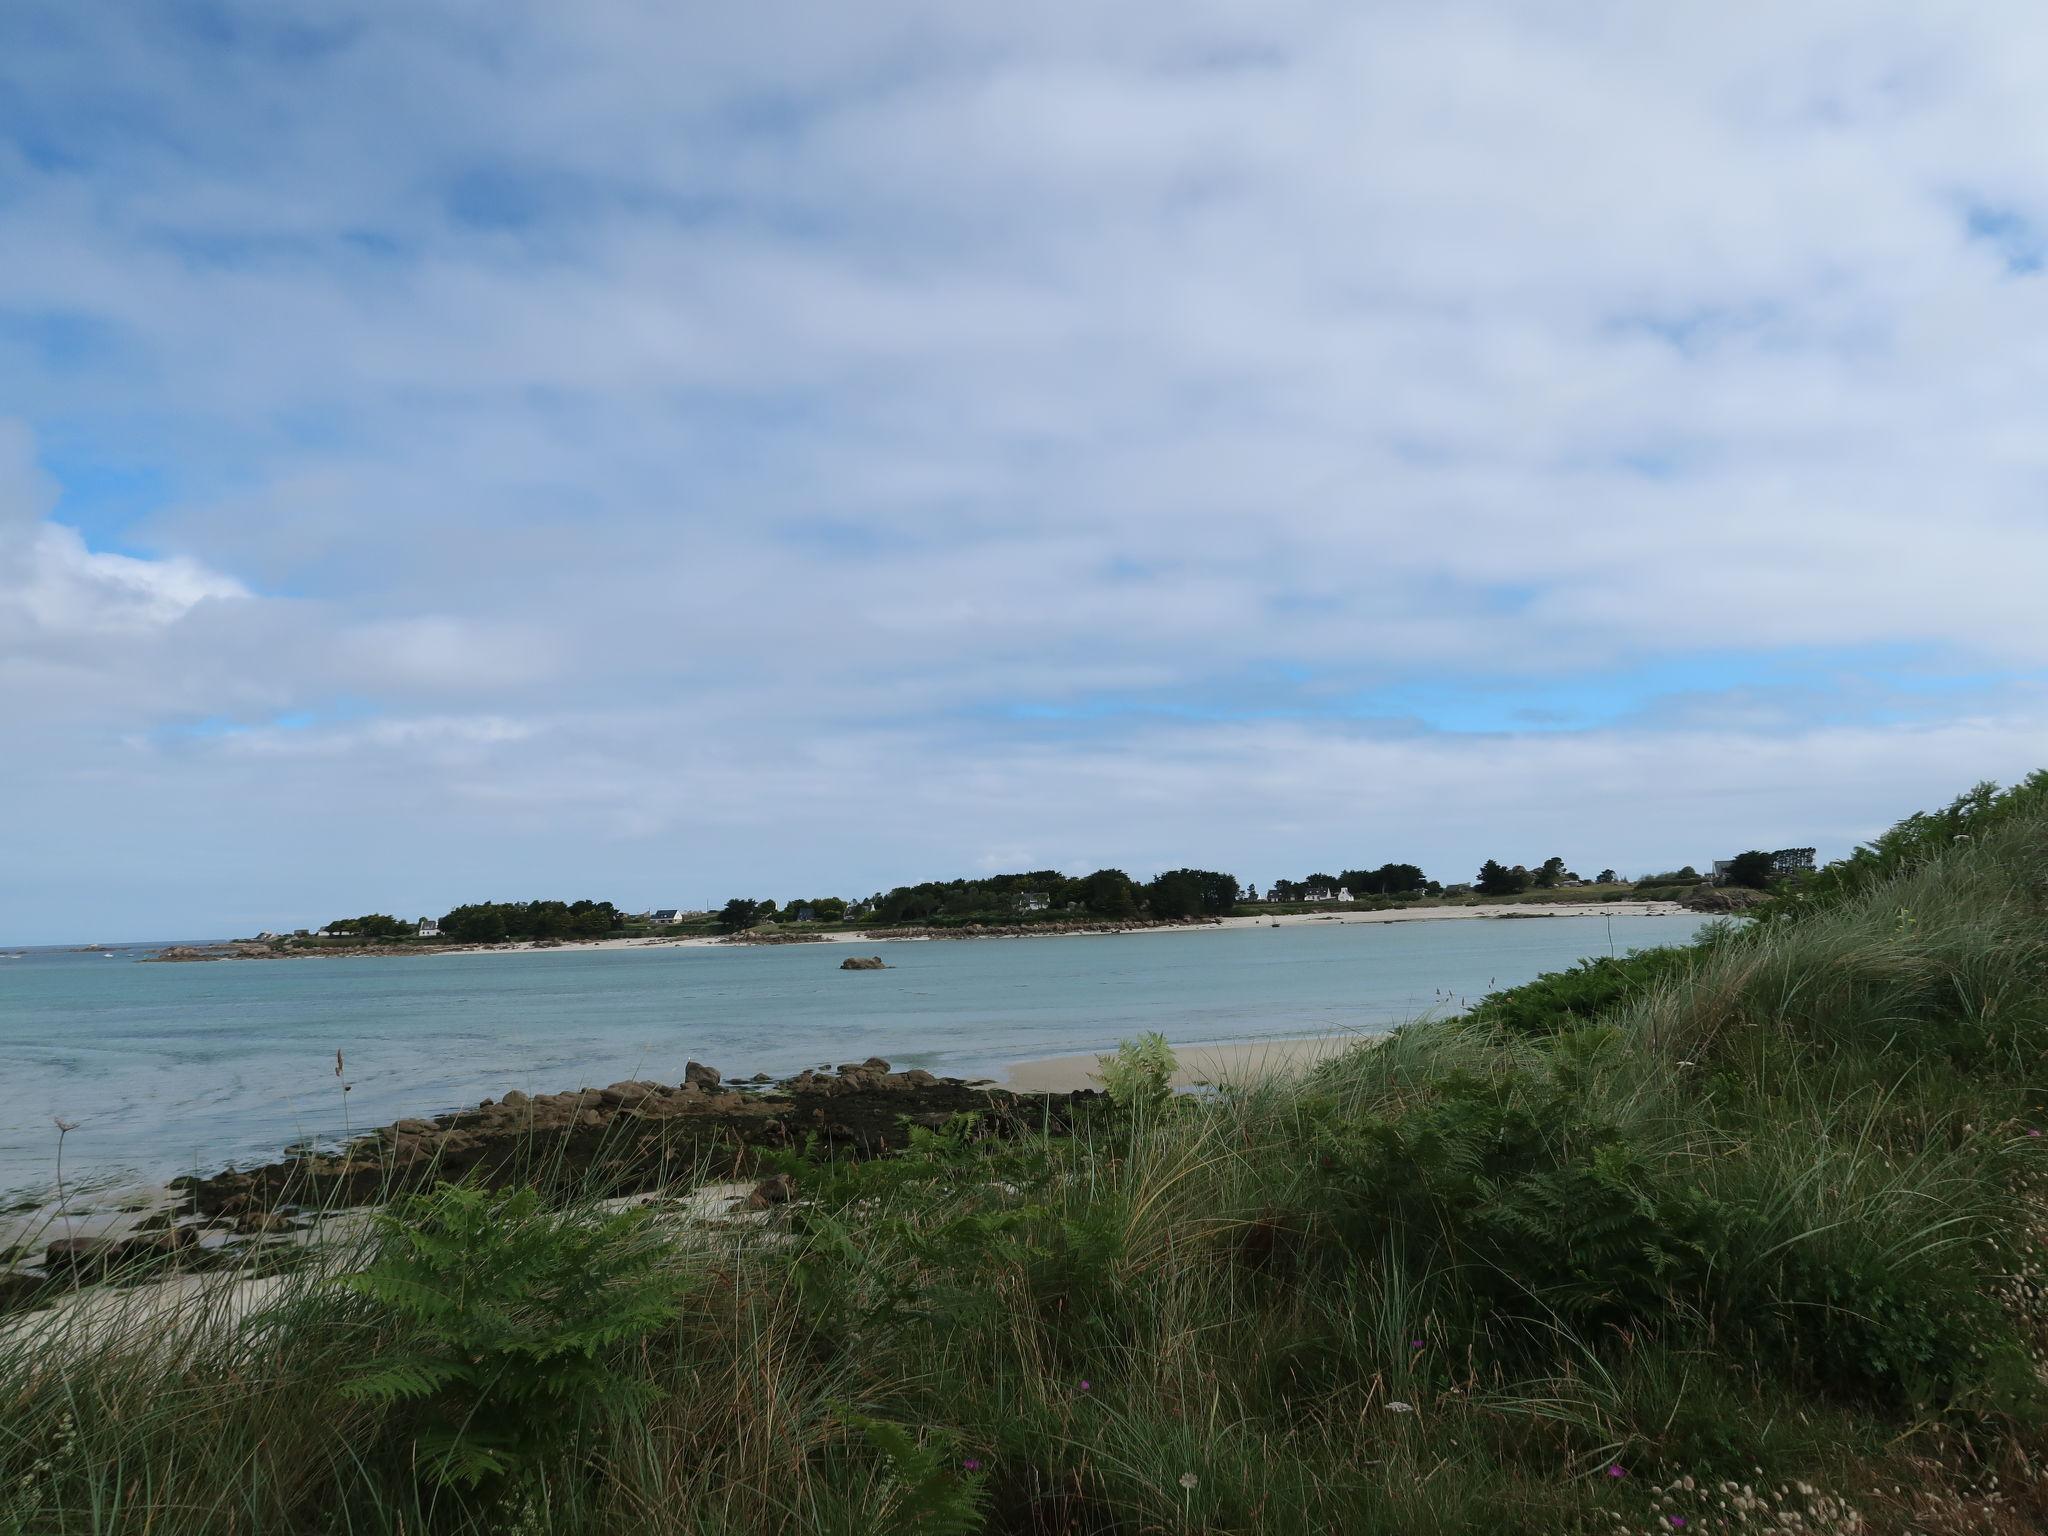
(1199,1064)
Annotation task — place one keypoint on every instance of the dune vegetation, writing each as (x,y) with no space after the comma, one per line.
(1742,1237)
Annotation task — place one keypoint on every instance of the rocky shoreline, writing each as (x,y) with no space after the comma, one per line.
(626,1139)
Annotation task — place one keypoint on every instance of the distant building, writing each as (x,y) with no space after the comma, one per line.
(665,915)
(803,914)
(1320,893)
(430,928)
(1033,901)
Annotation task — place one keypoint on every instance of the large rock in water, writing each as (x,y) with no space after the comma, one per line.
(862,963)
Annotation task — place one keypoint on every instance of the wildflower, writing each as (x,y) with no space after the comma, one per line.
(1415,1343)
(970,1465)
(2033,1130)
(1400,1407)
(1188,1480)
(1087,1385)
(1677,1522)
(1617,1470)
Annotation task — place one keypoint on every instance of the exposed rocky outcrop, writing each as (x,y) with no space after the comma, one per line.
(1722,898)
(863,963)
(627,1137)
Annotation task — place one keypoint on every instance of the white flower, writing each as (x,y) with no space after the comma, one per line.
(1400,1407)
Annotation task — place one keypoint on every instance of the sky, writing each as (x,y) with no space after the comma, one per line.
(461,451)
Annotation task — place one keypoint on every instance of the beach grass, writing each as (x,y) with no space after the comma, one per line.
(1740,1238)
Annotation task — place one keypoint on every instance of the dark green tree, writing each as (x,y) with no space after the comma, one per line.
(740,913)
(1109,893)
(1752,869)
(1174,895)
(1495,879)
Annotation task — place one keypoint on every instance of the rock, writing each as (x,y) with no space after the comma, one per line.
(875,1064)
(917,1077)
(697,1075)
(779,1190)
(157,1245)
(262,1221)
(628,1094)
(68,1253)
(858,963)
(514,1100)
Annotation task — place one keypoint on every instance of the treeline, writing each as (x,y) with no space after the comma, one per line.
(1106,894)
(1387,880)
(372,925)
(1497,879)
(491,922)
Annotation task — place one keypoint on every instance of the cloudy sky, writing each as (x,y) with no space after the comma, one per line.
(455,450)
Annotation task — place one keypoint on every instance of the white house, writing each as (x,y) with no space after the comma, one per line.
(665,915)
(430,928)
(1320,893)
(1033,901)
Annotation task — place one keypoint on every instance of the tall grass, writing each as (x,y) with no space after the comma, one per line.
(1744,1237)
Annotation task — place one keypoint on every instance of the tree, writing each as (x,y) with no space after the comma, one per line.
(1550,873)
(1607,877)
(1387,880)
(374,925)
(1497,880)
(1175,894)
(1753,869)
(1109,893)
(739,913)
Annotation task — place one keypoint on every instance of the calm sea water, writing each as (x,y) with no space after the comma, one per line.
(174,1068)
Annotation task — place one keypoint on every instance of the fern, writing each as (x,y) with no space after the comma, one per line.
(1140,1075)
(924,1493)
(504,1314)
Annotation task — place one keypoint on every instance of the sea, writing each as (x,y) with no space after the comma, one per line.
(165,1069)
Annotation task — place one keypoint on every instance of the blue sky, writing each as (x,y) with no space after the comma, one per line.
(454,452)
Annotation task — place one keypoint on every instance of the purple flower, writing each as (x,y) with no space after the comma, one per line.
(970,1465)
(1617,1470)
(2033,1130)
(1677,1522)
(1415,1343)
(1087,1386)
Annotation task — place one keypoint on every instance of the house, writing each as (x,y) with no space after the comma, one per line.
(1320,893)
(805,913)
(1033,901)
(665,915)
(430,928)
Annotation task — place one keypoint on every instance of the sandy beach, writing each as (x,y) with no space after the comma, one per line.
(1199,1064)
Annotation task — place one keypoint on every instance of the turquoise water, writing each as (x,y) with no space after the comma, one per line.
(174,1068)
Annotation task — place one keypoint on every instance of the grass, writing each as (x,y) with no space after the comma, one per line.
(1743,1237)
